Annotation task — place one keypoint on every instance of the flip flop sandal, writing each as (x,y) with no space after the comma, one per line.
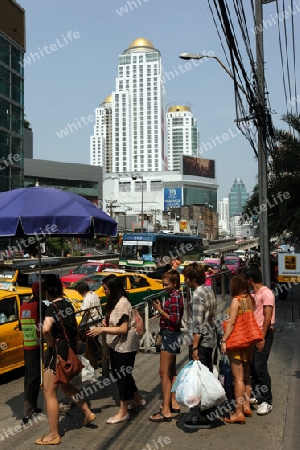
(159,417)
(173,410)
(54,441)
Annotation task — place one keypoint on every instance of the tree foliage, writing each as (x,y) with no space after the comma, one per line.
(283,182)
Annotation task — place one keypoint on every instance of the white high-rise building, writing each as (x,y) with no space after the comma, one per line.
(138,111)
(183,135)
(223,213)
(101,141)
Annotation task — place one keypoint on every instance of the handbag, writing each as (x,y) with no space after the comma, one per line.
(139,323)
(67,370)
(246,331)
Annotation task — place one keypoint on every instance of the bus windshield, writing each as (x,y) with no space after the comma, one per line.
(152,250)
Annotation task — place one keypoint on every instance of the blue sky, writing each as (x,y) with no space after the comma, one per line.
(79,73)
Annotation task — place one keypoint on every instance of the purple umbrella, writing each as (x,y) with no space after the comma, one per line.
(51,212)
(37,212)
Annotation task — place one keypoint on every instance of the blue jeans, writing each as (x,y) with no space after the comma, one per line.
(259,371)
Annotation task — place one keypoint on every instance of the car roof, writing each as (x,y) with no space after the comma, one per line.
(216,260)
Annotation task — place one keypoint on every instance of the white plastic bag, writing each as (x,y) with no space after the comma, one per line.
(87,375)
(188,386)
(212,391)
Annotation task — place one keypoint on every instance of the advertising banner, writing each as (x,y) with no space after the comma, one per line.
(172,198)
(183,225)
(288,267)
(198,167)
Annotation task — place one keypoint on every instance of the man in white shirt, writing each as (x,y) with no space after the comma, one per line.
(91,306)
(92,314)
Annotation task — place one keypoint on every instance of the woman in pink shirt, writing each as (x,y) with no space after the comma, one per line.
(208,277)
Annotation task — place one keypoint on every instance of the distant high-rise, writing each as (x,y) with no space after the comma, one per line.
(12,48)
(101,141)
(223,214)
(183,135)
(237,197)
(138,110)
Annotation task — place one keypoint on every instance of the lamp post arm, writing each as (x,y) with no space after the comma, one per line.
(228,72)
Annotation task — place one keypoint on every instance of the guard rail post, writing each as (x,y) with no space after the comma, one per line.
(223,275)
(147,340)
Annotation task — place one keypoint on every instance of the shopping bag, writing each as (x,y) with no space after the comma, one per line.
(225,376)
(212,391)
(188,386)
(139,323)
(87,375)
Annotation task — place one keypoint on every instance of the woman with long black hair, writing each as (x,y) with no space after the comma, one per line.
(124,342)
(59,309)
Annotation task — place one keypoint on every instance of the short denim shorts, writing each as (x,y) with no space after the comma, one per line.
(171,341)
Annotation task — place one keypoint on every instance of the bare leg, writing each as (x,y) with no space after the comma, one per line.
(174,402)
(52,407)
(239,385)
(248,385)
(71,392)
(165,371)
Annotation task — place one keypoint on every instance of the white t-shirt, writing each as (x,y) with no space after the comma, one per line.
(91,300)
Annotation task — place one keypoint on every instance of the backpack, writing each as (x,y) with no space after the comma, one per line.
(139,323)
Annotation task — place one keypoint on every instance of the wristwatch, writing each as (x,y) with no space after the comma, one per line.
(223,342)
(195,348)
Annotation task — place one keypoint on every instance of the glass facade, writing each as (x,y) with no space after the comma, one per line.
(11,115)
(200,196)
(237,197)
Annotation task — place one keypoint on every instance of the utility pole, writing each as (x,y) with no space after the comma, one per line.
(154,211)
(261,149)
(111,205)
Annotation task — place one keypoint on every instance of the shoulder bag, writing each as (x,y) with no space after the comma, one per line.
(246,331)
(67,370)
(139,323)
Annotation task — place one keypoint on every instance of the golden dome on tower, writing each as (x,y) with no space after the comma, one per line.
(177,108)
(108,99)
(141,42)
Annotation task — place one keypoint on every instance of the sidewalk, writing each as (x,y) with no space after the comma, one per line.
(279,430)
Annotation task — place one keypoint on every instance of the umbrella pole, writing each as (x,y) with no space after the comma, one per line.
(41,318)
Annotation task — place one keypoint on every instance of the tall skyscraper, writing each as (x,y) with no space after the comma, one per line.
(223,214)
(12,48)
(183,135)
(101,141)
(237,197)
(129,131)
(138,110)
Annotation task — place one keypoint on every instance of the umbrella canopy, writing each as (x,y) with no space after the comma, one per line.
(51,212)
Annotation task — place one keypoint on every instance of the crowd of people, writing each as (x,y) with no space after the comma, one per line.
(249,366)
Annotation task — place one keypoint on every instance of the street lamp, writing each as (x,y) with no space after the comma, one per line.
(136,177)
(201,56)
(262,159)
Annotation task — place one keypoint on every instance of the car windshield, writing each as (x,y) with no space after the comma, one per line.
(93,282)
(7,275)
(231,261)
(86,269)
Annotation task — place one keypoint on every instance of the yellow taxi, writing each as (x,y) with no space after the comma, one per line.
(11,337)
(137,285)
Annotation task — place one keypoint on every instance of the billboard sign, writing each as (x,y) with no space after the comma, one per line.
(288,267)
(199,167)
(172,198)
